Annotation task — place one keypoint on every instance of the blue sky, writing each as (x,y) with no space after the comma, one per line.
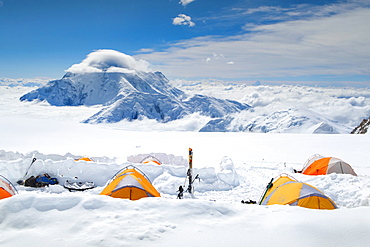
(317,42)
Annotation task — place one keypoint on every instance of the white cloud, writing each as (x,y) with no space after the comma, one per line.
(119,70)
(182,19)
(338,44)
(350,104)
(265,9)
(185,2)
(109,61)
(145,50)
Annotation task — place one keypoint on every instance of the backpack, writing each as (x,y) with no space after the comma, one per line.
(30,182)
(40,181)
(45,180)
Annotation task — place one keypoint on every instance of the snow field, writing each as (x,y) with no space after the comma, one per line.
(62,218)
(232,167)
(92,220)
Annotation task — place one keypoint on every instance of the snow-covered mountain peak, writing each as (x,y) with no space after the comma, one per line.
(110,61)
(92,88)
(128,90)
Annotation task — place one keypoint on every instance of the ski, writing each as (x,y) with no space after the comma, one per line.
(190,172)
(189,178)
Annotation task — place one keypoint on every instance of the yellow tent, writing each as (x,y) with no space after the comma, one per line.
(319,165)
(7,189)
(130,184)
(287,191)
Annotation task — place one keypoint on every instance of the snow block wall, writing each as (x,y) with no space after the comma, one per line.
(166,177)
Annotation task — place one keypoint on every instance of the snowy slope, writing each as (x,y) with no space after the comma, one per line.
(232,166)
(61,217)
(163,108)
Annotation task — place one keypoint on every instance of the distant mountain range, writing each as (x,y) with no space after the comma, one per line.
(292,120)
(24,82)
(128,94)
(127,90)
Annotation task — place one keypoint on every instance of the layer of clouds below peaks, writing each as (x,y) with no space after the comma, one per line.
(347,106)
(109,61)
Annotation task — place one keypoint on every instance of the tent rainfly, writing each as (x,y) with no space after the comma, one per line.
(130,183)
(287,191)
(319,165)
(7,189)
(151,160)
(84,158)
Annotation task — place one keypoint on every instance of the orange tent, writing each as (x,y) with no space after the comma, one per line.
(130,184)
(319,165)
(151,160)
(84,158)
(7,189)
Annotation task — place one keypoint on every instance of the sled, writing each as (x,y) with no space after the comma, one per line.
(78,186)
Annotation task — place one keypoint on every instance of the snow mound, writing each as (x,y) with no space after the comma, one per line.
(228,174)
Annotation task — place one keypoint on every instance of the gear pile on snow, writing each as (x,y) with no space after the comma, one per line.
(40,181)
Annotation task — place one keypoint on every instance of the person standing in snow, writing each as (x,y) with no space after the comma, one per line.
(181,194)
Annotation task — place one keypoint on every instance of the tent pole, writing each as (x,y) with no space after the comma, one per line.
(269,185)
